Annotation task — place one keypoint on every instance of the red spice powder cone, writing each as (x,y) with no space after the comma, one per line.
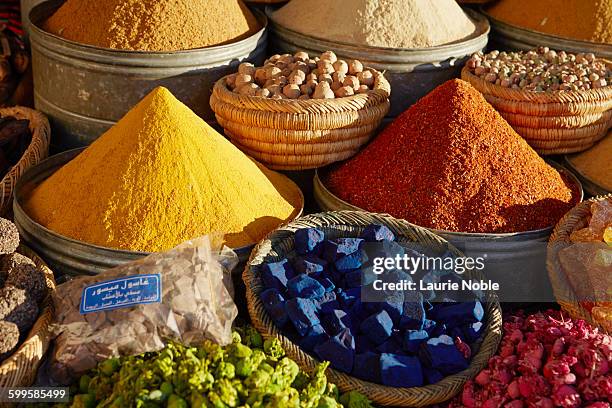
(451,162)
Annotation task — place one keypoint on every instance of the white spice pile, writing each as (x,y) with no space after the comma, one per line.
(378,23)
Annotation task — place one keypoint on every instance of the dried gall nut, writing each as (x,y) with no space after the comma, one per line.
(273,72)
(355,67)
(366,78)
(249,89)
(304,97)
(336,85)
(307,89)
(351,81)
(323,91)
(263,93)
(292,91)
(286,59)
(344,92)
(302,67)
(242,79)
(230,81)
(246,68)
(362,89)
(273,59)
(326,78)
(337,76)
(260,76)
(329,56)
(312,64)
(9,237)
(312,77)
(325,67)
(295,79)
(281,80)
(341,66)
(301,56)
(286,72)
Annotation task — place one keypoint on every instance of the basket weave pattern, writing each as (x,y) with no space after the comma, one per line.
(574,220)
(34,154)
(552,123)
(296,134)
(20,369)
(351,223)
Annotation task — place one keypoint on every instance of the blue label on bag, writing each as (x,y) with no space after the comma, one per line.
(122,292)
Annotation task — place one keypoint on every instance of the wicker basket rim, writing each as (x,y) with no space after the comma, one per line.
(433,392)
(382,90)
(38,337)
(519,95)
(560,240)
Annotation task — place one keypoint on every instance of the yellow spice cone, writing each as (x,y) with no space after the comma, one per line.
(161,176)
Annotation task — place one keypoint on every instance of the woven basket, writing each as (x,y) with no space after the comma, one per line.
(351,223)
(575,219)
(552,123)
(19,370)
(299,135)
(36,152)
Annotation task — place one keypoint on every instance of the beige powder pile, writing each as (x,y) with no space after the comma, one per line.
(378,23)
(152,25)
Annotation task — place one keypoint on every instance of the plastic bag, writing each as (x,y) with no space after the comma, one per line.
(184,294)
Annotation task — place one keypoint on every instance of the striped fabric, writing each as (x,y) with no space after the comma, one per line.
(10,16)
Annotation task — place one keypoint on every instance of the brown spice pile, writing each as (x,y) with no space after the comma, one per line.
(588,20)
(152,25)
(451,162)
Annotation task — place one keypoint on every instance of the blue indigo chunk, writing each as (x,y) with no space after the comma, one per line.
(327,284)
(367,366)
(392,345)
(274,303)
(347,298)
(327,303)
(413,340)
(443,357)
(334,250)
(432,376)
(458,314)
(351,261)
(339,351)
(307,240)
(377,327)
(277,274)
(305,287)
(473,331)
(302,313)
(377,233)
(336,321)
(315,335)
(400,371)
(413,314)
(310,265)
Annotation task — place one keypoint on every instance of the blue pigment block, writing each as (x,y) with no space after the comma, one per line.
(327,284)
(358,311)
(377,233)
(307,240)
(439,330)
(377,327)
(367,366)
(400,371)
(473,331)
(334,250)
(413,314)
(351,261)
(276,274)
(310,265)
(363,344)
(305,287)
(443,339)
(336,321)
(432,376)
(316,335)
(413,340)
(393,346)
(302,313)
(347,298)
(274,303)
(339,351)
(429,326)
(443,357)
(327,303)
(459,313)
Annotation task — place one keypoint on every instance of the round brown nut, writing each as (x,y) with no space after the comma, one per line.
(292,91)
(273,72)
(274,89)
(263,93)
(341,66)
(336,85)
(355,67)
(301,56)
(281,80)
(329,56)
(230,81)
(302,67)
(325,67)
(260,76)
(242,79)
(338,76)
(323,91)
(307,89)
(249,89)
(351,81)
(362,89)
(326,78)
(246,68)
(344,92)
(366,78)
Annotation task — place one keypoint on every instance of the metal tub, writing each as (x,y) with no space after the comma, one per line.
(517,261)
(84,90)
(67,256)
(506,37)
(412,73)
